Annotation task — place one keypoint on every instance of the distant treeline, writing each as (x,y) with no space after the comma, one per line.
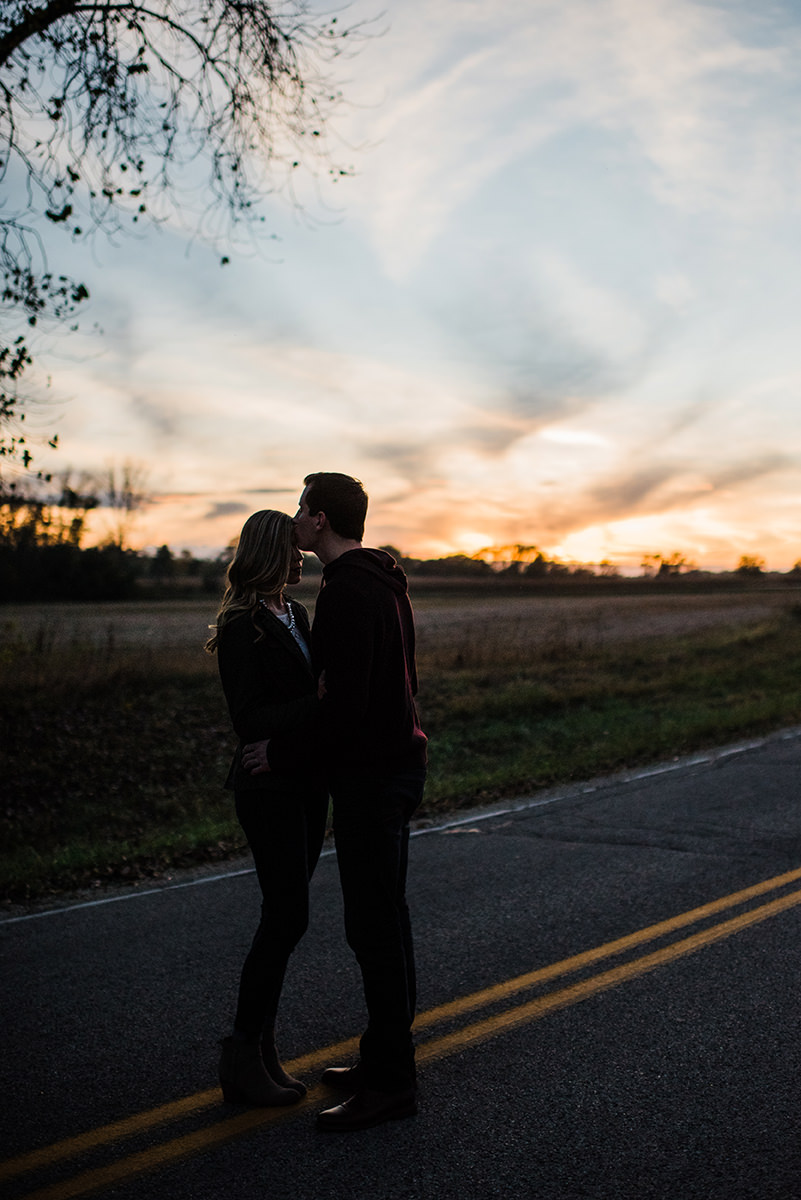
(60,570)
(527,563)
(42,558)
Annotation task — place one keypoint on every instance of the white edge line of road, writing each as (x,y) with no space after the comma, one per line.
(484,814)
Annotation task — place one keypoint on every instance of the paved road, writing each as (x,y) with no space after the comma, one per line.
(609,1008)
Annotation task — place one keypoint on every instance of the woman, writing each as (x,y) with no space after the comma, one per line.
(262,645)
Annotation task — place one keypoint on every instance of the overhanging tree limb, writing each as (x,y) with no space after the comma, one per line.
(107,110)
(32,21)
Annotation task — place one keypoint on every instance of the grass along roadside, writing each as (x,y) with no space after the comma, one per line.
(570,715)
(112,758)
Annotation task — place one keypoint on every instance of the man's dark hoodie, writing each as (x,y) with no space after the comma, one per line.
(363,639)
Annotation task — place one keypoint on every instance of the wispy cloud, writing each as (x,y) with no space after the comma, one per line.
(226,508)
(558,303)
(662,487)
(689,89)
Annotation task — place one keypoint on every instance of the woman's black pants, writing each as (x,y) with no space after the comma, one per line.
(285,831)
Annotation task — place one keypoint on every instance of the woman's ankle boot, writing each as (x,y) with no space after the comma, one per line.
(273,1066)
(244,1080)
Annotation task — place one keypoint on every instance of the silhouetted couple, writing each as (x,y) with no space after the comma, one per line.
(326,710)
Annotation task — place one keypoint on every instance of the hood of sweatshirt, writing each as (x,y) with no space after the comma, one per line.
(377,563)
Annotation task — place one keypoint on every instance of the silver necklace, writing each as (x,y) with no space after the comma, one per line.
(291,627)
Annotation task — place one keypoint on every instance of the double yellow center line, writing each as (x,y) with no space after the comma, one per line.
(507,999)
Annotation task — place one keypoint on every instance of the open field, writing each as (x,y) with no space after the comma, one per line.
(115,738)
(478,628)
(441,617)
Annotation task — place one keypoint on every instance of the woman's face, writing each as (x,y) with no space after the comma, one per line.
(295,566)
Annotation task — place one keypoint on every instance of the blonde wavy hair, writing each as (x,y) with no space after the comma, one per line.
(260,567)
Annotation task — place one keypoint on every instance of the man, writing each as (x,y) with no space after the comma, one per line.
(375,755)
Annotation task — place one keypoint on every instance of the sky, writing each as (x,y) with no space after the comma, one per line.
(557,303)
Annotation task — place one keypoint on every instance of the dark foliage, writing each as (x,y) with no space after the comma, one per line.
(66,572)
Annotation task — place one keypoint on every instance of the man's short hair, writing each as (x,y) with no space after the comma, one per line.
(343,500)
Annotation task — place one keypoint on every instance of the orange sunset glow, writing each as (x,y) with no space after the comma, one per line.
(556,304)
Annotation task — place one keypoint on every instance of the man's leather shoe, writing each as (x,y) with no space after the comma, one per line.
(366,1109)
(344,1079)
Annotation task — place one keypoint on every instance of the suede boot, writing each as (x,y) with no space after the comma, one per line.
(273,1066)
(244,1080)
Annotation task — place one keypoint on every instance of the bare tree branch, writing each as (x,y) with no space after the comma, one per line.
(118,111)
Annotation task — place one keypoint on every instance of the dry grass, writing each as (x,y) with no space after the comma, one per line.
(444,623)
(483,632)
(114,739)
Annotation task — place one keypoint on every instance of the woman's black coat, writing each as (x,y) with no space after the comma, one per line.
(271,693)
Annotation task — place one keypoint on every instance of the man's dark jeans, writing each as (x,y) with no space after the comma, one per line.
(371,829)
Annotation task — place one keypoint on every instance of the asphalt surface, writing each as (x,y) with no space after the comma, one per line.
(669,1066)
